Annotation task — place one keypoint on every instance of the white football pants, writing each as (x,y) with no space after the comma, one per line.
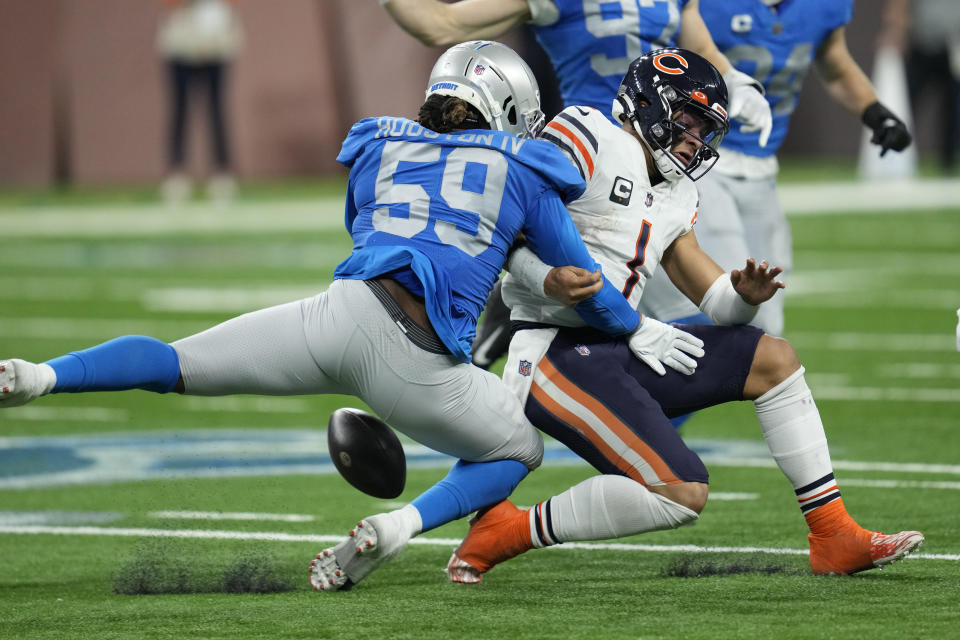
(343,341)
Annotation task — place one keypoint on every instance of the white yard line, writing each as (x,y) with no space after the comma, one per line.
(855,341)
(868,196)
(322,214)
(224,299)
(204,534)
(722,460)
(155,220)
(72,414)
(226,515)
(900,484)
(887,394)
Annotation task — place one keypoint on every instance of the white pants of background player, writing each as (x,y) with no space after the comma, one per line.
(738,218)
(343,341)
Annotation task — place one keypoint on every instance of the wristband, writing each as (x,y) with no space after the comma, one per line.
(723,305)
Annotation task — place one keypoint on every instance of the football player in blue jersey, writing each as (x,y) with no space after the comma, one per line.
(775,42)
(433,207)
(590,44)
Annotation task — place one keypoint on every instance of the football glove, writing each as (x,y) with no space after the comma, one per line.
(660,344)
(889,131)
(748,105)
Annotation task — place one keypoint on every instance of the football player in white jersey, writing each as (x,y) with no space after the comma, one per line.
(609,399)
(590,44)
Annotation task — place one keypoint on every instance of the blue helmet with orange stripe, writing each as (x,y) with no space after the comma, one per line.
(676,101)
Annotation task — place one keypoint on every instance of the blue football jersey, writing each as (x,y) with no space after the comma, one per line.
(776,47)
(592,43)
(438,213)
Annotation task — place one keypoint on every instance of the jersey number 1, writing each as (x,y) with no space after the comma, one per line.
(638,259)
(478,211)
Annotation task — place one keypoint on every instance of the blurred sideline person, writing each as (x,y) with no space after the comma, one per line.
(740,215)
(590,44)
(927,33)
(596,395)
(433,207)
(197,40)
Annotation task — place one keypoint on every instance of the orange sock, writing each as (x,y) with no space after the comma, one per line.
(499,533)
(830,518)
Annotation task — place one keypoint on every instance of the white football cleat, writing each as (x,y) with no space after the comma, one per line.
(373,542)
(22,382)
(459,570)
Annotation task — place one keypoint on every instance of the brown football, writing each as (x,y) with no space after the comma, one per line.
(367,453)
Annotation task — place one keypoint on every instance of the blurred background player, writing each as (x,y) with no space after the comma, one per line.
(590,44)
(774,42)
(927,33)
(197,40)
(432,216)
(608,403)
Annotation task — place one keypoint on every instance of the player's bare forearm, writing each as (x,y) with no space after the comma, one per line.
(756,283)
(842,77)
(441,24)
(689,267)
(695,36)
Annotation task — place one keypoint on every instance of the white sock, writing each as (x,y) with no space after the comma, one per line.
(601,508)
(409,519)
(22,381)
(46,378)
(794,433)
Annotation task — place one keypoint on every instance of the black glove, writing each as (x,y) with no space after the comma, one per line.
(889,131)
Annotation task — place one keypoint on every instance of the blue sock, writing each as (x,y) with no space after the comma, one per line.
(130,362)
(469,486)
(679,420)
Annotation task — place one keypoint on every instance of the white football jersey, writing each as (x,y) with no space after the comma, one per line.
(626,223)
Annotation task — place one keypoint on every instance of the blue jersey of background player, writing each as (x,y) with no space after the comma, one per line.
(776,48)
(592,42)
(439,212)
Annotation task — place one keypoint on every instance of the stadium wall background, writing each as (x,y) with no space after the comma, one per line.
(82,95)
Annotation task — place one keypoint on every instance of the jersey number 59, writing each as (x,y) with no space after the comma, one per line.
(476,211)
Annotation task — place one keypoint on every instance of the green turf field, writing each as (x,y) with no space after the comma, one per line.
(132,515)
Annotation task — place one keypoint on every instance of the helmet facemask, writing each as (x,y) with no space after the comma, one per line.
(672,96)
(685,116)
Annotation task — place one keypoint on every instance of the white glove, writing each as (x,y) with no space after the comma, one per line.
(748,105)
(660,344)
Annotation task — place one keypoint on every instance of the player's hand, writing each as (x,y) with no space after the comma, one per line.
(748,105)
(571,285)
(660,344)
(889,131)
(756,283)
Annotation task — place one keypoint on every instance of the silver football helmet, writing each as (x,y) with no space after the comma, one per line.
(493,78)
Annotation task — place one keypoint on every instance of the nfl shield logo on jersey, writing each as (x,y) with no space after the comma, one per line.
(649,200)
(582,349)
(525,367)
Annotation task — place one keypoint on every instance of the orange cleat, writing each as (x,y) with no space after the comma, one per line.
(496,534)
(851,550)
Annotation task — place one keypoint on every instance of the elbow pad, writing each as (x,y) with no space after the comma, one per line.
(723,305)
